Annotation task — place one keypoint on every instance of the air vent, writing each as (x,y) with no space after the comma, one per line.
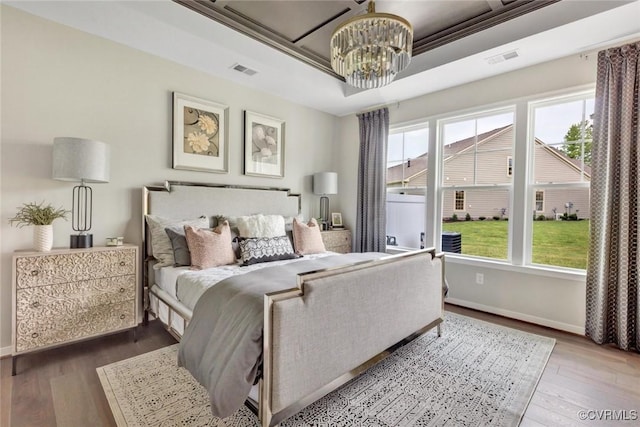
(246,70)
(502,57)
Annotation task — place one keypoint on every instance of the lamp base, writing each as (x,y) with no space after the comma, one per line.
(81,241)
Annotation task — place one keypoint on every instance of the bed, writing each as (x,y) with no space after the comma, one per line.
(331,318)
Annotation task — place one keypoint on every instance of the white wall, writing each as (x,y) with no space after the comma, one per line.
(58,81)
(556,301)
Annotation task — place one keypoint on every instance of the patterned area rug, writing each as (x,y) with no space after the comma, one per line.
(476,374)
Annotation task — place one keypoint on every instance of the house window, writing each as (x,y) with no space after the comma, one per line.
(475,149)
(539,201)
(459,201)
(406,185)
(560,178)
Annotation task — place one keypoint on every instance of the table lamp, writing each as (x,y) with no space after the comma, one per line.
(325,183)
(85,161)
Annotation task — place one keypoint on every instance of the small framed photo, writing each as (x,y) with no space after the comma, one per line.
(336,220)
(200,138)
(263,145)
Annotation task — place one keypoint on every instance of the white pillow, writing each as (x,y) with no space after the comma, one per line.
(261,226)
(161,248)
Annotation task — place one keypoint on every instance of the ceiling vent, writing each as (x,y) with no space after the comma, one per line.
(246,70)
(502,57)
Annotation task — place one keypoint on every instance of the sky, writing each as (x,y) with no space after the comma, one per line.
(551,124)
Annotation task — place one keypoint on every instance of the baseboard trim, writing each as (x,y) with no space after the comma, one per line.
(579,330)
(5,351)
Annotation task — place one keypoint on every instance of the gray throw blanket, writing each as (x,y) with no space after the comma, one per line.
(222,346)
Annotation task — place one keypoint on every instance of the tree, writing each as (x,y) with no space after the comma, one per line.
(573,145)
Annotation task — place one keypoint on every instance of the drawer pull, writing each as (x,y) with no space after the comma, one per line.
(122,263)
(122,290)
(34,272)
(35,304)
(34,335)
(122,316)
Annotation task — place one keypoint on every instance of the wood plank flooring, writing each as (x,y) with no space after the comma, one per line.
(60,387)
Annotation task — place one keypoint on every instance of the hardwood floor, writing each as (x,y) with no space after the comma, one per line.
(60,387)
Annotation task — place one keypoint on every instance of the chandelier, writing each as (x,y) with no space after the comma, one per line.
(369,50)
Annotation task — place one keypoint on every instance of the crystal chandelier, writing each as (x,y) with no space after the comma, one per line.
(369,50)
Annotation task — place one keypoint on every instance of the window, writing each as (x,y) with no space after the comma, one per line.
(539,201)
(475,150)
(406,185)
(559,180)
(537,215)
(459,201)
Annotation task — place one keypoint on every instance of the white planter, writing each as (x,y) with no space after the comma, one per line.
(42,237)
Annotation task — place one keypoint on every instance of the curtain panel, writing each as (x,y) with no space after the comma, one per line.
(371,221)
(613,303)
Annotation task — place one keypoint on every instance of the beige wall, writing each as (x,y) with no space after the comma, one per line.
(58,81)
(555,300)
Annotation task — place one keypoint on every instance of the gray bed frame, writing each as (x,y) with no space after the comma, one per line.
(332,324)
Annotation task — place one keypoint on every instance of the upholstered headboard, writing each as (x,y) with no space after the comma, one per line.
(186,200)
(181,200)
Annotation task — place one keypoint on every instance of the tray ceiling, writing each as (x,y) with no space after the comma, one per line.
(303,28)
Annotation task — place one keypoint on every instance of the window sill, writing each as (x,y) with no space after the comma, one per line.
(539,270)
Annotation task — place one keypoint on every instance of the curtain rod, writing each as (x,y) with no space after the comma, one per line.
(379,106)
(617,42)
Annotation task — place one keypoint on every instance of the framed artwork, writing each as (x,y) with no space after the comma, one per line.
(200,138)
(263,145)
(336,220)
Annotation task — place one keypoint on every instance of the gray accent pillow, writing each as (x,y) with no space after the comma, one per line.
(160,243)
(265,249)
(181,254)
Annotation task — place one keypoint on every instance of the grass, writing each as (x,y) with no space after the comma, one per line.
(560,243)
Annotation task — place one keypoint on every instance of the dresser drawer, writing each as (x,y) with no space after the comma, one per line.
(44,270)
(64,299)
(55,328)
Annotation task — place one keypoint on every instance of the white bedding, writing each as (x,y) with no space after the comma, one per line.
(188,285)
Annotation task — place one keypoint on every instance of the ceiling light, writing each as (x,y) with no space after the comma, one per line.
(369,50)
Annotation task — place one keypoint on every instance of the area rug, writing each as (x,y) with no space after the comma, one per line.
(475,374)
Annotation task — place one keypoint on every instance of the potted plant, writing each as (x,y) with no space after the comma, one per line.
(41,217)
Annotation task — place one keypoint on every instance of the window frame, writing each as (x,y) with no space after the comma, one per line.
(520,218)
(541,200)
(531,186)
(456,200)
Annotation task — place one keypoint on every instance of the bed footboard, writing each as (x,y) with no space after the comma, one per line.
(340,321)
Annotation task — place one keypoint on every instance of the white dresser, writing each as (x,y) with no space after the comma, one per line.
(68,295)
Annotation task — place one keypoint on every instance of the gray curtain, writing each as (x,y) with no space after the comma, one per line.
(371,222)
(613,303)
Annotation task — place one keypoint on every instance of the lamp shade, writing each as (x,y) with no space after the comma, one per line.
(325,183)
(79,159)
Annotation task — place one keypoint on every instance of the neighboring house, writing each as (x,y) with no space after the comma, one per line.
(493,152)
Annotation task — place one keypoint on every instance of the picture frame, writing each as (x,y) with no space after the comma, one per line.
(263,145)
(336,220)
(200,136)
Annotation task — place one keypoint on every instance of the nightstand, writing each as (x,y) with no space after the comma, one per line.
(337,240)
(68,295)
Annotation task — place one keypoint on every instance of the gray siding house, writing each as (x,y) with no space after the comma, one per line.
(489,162)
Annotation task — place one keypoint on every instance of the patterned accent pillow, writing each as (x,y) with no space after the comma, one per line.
(261,225)
(265,249)
(210,248)
(307,238)
(161,248)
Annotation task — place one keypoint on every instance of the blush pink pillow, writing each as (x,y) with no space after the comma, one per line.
(307,238)
(210,248)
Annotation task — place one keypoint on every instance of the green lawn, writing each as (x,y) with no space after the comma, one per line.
(561,243)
